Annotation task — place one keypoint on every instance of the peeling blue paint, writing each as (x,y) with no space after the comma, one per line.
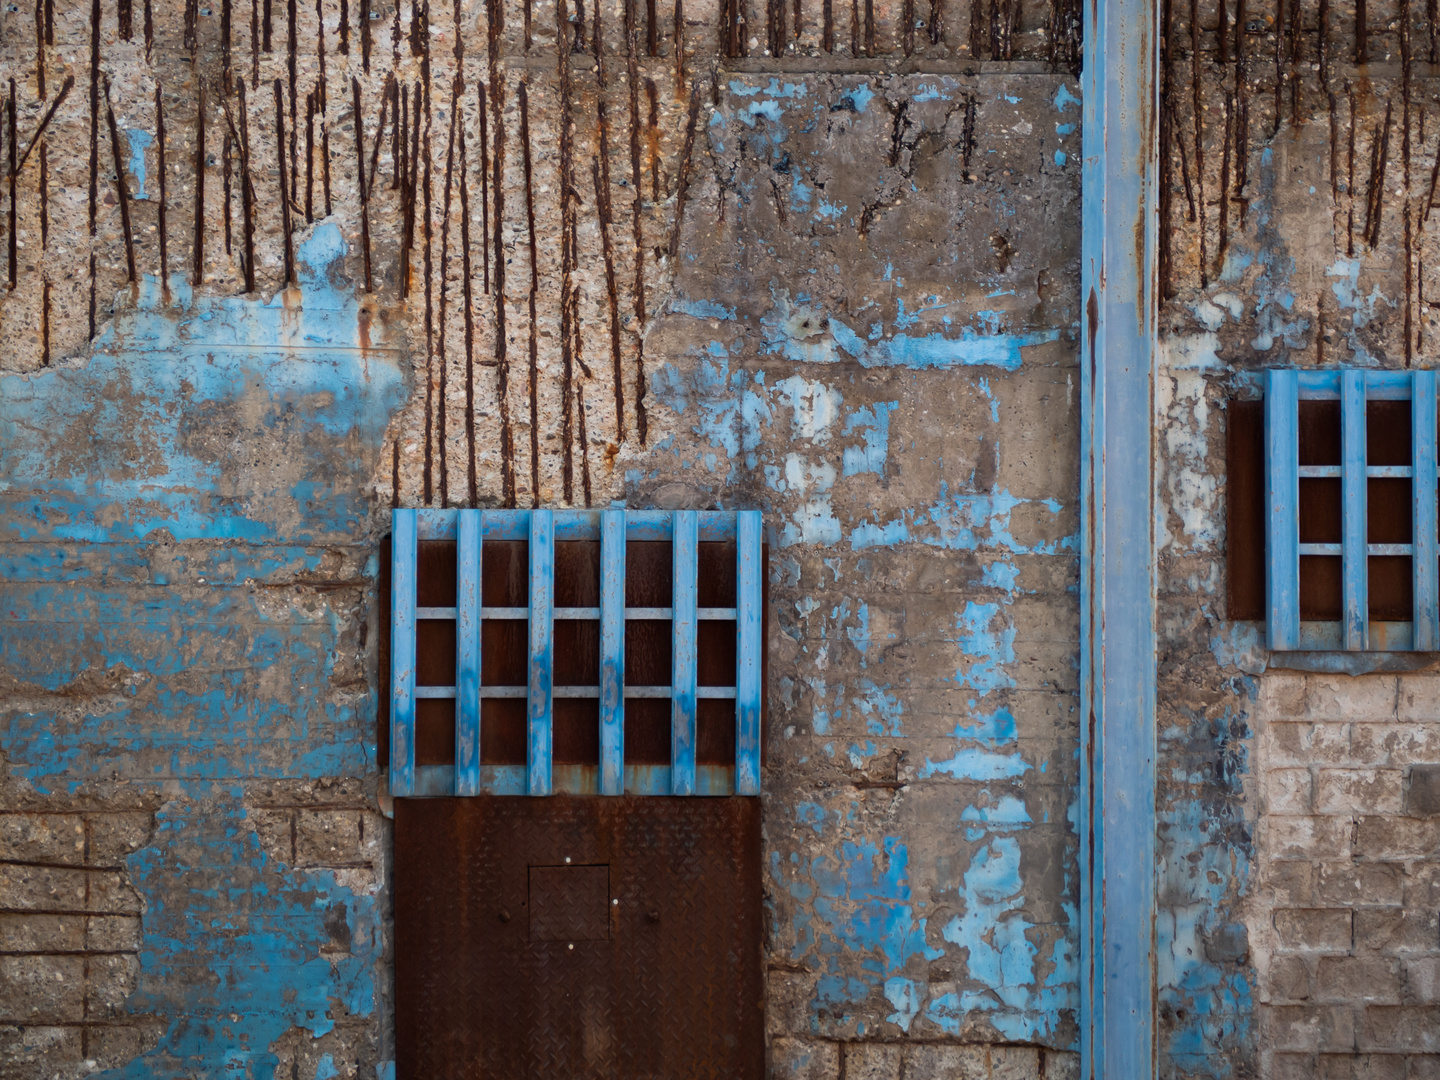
(1000,956)
(959,522)
(859,97)
(139,140)
(209,680)
(238,950)
(701,309)
(865,923)
(937,352)
(101,452)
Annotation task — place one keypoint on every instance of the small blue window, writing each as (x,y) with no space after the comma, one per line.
(1348,512)
(463,621)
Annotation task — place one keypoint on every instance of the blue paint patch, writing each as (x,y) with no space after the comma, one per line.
(209,681)
(701,309)
(937,352)
(872,423)
(992,729)
(118,448)
(238,950)
(859,97)
(906,996)
(1000,575)
(972,764)
(881,710)
(865,924)
(1006,814)
(1204,966)
(1064,98)
(1000,956)
(139,140)
(860,633)
(812,814)
(995,647)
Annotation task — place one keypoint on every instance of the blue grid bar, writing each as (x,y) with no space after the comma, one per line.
(402,653)
(1282,498)
(1327,385)
(1422,489)
(467,648)
(539,696)
(577,524)
(612,652)
(683,625)
(1354,609)
(748,594)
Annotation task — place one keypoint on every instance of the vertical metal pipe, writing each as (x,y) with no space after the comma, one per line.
(1117,669)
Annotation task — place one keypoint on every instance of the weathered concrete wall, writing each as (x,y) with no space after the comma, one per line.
(838,285)
(1297,923)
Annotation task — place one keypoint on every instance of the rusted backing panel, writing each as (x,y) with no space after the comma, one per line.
(1388,510)
(581,937)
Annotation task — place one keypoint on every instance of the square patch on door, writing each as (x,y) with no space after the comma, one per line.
(570,903)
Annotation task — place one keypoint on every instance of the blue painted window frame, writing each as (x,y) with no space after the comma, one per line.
(1284,389)
(685,530)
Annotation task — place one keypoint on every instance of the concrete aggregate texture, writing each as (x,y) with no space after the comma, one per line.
(816,259)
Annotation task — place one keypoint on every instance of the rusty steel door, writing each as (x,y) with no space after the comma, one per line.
(573,937)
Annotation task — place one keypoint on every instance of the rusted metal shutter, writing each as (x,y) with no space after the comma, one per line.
(578,937)
(612,660)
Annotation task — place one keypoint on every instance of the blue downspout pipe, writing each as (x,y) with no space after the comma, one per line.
(1117,580)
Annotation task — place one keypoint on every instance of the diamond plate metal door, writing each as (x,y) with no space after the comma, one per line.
(612,938)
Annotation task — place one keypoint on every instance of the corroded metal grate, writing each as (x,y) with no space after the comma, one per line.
(1350,510)
(463,619)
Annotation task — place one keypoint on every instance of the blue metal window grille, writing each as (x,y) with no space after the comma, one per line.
(1284,389)
(685,530)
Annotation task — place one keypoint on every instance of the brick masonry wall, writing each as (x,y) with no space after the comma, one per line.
(1345,926)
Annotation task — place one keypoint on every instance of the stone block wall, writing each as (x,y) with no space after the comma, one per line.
(1348,860)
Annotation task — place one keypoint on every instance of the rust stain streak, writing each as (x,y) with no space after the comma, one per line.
(122,193)
(523,92)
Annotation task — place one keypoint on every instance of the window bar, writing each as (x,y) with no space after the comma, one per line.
(747,668)
(1422,489)
(1355,614)
(1282,486)
(612,652)
(469,530)
(683,622)
(541,674)
(402,653)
